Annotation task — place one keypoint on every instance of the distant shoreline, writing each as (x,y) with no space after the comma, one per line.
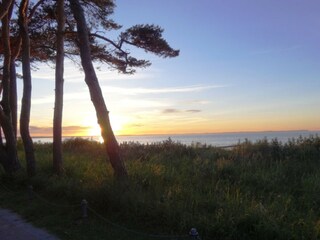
(188,134)
(213,139)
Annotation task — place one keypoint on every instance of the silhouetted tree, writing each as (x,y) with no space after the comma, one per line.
(148,37)
(9,95)
(91,80)
(58,106)
(27,88)
(87,23)
(8,151)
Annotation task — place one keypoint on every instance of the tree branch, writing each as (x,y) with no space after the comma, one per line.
(4,8)
(33,10)
(107,40)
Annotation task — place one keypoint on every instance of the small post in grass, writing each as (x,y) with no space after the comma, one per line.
(84,207)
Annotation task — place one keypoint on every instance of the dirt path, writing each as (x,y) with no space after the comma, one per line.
(13,227)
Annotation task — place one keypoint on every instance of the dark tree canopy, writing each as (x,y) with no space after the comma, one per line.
(149,38)
(43,27)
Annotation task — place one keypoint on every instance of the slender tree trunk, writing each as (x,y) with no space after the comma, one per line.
(1,141)
(97,99)
(13,85)
(58,105)
(8,153)
(27,88)
(5,103)
(13,96)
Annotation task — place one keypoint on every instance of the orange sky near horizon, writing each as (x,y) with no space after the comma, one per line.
(201,127)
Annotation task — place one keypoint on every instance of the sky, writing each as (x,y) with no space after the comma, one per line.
(244,65)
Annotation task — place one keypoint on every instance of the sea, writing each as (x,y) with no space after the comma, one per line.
(213,139)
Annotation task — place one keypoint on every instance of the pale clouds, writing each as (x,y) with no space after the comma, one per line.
(193,111)
(67,130)
(173,110)
(134,104)
(77,76)
(66,97)
(170,110)
(137,91)
(74,74)
(195,102)
(43,100)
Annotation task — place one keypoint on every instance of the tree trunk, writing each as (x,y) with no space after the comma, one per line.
(5,103)
(13,85)
(58,105)
(27,88)
(8,153)
(13,96)
(97,99)
(1,141)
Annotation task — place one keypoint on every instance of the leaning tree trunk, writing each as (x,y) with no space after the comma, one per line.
(58,105)
(27,88)
(8,153)
(97,99)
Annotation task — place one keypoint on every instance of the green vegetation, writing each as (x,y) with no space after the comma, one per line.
(265,190)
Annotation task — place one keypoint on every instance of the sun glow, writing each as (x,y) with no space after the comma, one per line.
(117,124)
(93,128)
(91,125)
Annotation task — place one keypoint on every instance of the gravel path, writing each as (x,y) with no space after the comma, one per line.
(13,227)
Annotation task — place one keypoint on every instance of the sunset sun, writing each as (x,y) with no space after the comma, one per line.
(93,128)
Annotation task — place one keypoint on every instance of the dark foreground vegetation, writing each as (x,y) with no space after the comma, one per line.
(263,190)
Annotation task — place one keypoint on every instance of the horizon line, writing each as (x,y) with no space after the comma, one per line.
(163,134)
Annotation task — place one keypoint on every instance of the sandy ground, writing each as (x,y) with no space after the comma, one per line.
(13,227)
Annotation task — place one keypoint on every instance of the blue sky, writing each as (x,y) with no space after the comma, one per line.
(245,65)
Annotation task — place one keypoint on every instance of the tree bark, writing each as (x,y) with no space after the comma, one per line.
(6,66)
(27,88)
(1,141)
(13,96)
(97,99)
(58,105)
(13,85)
(8,153)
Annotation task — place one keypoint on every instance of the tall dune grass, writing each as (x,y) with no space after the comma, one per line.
(262,190)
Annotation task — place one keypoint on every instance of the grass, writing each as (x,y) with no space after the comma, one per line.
(262,190)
